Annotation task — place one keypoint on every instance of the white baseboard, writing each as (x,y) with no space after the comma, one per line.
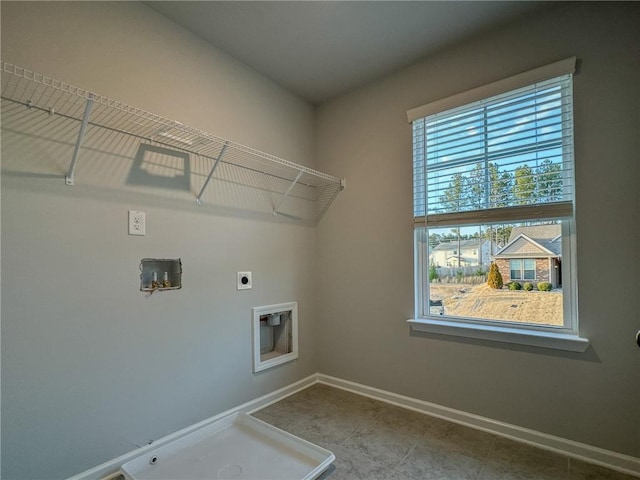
(606,458)
(587,453)
(111,468)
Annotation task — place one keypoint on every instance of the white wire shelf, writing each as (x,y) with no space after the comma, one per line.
(92,122)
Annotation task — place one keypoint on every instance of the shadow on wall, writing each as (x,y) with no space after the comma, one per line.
(589,355)
(155,166)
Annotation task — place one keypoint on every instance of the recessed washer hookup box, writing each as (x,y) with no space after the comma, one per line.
(238,446)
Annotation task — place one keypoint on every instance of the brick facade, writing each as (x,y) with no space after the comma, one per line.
(542,271)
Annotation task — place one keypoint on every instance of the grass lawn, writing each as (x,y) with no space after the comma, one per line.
(481,301)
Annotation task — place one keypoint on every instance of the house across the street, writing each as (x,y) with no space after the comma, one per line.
(461,253)
(533,254)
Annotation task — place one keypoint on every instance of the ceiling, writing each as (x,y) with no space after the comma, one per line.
(321,49)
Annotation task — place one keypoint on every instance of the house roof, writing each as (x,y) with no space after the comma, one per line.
(453,245)
(533,241)
(549,236)
(463,259)
(537,232)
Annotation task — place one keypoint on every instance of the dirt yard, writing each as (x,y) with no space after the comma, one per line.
(481,301)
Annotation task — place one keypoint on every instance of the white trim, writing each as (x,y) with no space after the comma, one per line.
(587,453)
(111,468)
(520,336)
(563,67)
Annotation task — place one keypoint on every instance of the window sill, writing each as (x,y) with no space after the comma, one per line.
(536,338)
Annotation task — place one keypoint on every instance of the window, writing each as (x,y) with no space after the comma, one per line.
(493,172)
(522,269)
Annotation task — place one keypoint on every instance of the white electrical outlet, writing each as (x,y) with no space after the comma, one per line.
(244,280)
(136,223)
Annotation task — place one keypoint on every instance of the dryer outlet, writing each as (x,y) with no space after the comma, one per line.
(244,281)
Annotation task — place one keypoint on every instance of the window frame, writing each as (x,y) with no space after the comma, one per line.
(565,337)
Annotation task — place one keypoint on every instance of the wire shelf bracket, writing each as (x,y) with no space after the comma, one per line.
(213,169)
(302,188)
(70,177)
(286,194)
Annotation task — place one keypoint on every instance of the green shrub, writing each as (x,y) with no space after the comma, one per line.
(515,286)
(528,286)
(479,272)
(494,279)
(544,286)
(433,273)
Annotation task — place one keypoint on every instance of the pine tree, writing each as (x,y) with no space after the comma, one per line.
(500,194)
(524,185)
(549,181)
(494,279)
(454,197)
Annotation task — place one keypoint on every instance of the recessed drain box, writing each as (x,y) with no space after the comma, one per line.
(275,335)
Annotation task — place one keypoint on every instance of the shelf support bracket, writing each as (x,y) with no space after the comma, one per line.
(213,169)
(286,194)
(69,178)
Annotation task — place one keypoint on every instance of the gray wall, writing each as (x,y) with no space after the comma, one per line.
(90,366)
(366,240)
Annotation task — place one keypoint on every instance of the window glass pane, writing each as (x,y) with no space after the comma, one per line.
(456,264)
(515,268)
(529,272)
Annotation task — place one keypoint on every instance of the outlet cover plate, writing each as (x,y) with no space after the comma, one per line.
(137,224)
(244,281)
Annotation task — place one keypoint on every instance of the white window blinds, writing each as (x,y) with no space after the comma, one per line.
(498,159)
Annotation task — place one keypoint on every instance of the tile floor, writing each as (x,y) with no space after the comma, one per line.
(376,441)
